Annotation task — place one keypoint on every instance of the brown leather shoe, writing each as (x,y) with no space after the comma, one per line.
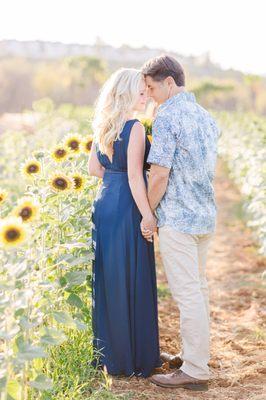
(173,361)
(179,379)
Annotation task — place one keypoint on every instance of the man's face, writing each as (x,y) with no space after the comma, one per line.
(158,91)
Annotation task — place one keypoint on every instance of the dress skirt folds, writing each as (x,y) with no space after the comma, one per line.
(124,292)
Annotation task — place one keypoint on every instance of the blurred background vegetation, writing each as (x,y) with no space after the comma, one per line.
(73,73)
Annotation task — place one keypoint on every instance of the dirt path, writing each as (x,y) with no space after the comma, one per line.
(238,306)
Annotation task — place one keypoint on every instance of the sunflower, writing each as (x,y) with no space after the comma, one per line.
(27,209)
(86,144)
(59,153)
(31,167)
(12,232)
(60,182)
(73,142)
(3,195)
(79,182)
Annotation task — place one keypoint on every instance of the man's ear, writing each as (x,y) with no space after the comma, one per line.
(170,81)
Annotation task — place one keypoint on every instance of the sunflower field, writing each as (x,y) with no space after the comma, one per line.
(46,253)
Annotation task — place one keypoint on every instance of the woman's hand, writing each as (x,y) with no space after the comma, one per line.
(148,227)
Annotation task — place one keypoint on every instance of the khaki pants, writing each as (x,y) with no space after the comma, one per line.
(184,258)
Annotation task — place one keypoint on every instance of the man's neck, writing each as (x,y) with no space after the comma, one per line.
(177,90)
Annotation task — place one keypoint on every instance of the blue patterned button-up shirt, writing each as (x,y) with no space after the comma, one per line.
(185,140)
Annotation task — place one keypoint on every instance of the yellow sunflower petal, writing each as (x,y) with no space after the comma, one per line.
(79,182)
(3,195)
(150,138)
(86,144)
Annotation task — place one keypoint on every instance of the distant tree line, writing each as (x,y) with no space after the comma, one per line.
(77,80)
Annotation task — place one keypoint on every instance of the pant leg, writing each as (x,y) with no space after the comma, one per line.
(203,245)
(180,257)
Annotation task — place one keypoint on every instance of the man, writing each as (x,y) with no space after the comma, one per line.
(183,157)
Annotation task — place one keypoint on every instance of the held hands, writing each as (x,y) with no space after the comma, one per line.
(148,227)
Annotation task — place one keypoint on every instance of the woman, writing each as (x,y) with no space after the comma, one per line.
(124,312)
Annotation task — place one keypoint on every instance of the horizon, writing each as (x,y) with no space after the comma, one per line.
(134,48)
(231,32)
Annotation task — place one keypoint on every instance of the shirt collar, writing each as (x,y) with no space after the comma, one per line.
(182,96)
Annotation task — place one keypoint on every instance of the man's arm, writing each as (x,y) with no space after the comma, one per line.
(161,157)
(157,184)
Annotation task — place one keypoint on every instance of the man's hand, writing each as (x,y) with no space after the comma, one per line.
(148,234)
(148,227)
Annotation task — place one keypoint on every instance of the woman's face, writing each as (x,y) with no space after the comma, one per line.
(140,104)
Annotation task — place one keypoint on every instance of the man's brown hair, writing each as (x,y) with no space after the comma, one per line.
(161,67)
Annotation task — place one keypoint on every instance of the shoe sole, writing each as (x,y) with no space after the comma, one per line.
(196,387)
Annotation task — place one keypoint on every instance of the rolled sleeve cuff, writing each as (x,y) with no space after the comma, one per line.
(159,161)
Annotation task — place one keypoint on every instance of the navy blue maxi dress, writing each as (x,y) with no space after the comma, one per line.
(124,291)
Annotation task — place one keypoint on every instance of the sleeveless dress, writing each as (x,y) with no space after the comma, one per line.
(124,290)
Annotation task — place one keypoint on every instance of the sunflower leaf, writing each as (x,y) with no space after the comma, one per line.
(75,300)
(76,277)
(13,390)
(63,318)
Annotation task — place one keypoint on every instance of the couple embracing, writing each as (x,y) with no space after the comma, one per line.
(162,188)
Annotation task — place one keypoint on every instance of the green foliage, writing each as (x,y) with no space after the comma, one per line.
(210,87)
(45,303)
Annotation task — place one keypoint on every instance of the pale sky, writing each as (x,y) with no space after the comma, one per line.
(233,31)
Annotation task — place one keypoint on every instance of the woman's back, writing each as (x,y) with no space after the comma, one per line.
(119,159)
(114,201)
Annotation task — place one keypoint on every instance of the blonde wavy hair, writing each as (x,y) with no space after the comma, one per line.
(117,98)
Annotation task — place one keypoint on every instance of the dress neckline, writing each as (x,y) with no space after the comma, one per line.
(132,119)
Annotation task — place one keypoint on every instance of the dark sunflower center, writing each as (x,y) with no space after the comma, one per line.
(60,152)
(26,213)
(12,234)
(60,183)
(32,168)
(1,198)
(88,145)
(74,144)
(77,182)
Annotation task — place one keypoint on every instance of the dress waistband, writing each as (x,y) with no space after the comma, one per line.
(112,171)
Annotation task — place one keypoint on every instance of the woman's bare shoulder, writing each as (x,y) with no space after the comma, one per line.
(138,128)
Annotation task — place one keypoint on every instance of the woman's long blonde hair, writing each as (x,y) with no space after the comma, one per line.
(117,98)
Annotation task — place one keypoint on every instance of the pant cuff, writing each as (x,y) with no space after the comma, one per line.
(194,372)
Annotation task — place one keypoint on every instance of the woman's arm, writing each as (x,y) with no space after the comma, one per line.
(135,152)
(94,166)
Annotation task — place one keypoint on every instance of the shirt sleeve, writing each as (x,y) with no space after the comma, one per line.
(164,142)
(216,128)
